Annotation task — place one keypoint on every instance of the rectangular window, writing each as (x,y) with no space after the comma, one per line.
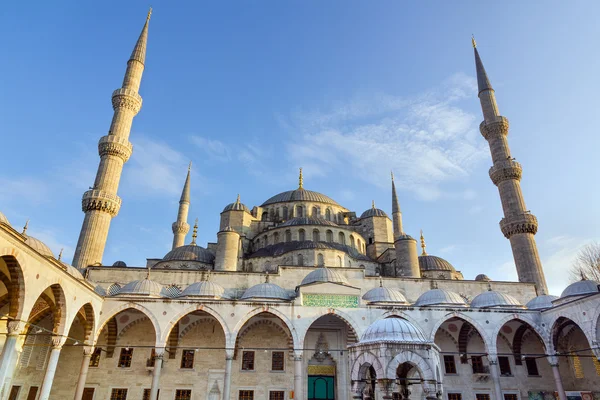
(454,396)
(532,369)
(118,394)
(248,361)
(449,365)
(277,361)
(187,359)
(147,394)
(396,396)
(504,364)
(482,396)
(32,393)
(477,363)
(246,394)
(95,358)
(88,394)
(276,395)
(125,358)
(511,396)
(183,394)
(14,393)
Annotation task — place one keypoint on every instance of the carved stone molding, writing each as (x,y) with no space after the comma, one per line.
(505,170)
(99,200)
(111,145)
(494,129)
(128,99)
(520,223)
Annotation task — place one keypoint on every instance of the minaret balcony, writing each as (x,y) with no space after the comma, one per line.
(113,145)
(99,200)
(496,128)
(519,223)
(127,98)
(505,170)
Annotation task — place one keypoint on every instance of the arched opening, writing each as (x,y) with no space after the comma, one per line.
(352,244)
(329,236)
(265,216)
(315,212)
(328,214)
(299,211)
(409,381)
(300,259)
(342,238)
(288,235)
(276,238)
(576,360)
(301,235)
(340,262)
(316,235)
(285,213)
(12,291)
(320,260)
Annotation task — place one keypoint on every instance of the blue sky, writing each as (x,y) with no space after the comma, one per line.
(250,91)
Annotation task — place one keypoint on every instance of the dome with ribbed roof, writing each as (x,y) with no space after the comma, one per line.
(384,295)
(393,329)
(71,270)
(583,287)
(236,206)
(205,289)
(324,274)
(190,252)
(307,221)
(299,195)
(373,212)
(440,297)
(494,299)
(119,264)
(542,302)
(142,287)
(38,246)
(265,291)
(482,278)
(3,219)
(433,263)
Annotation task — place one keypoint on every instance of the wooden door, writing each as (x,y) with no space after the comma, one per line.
(321,387)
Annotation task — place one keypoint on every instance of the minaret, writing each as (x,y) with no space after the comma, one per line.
(518,225)
(101,203)
(407,258)
(181,227)
(396,213)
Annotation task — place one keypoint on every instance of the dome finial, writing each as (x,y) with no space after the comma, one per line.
(148,273)
(60,254)
(195,233)
(266,276)
(423,245)
(373,204)
(300,180)
(473,42)
(25,227)
(380,281)
(238,199)
(149,14)
(489,287)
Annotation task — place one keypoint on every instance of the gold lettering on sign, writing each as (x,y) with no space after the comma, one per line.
(321,370)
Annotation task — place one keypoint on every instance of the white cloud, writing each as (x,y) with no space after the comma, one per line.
(427,140)
(25,189)
(214,149)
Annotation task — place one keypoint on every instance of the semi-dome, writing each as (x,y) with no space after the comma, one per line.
(494,299)
(373,212)
(119,264)
(190,252)
(580,288)
(142,287)
(3,219)
(299,195)
(204,289)
(384,295)
(307,221)
(440,297)
(393,330)
(265,291)
(482,278)
(541,302)
(38,246)
(324,274)
(433,263)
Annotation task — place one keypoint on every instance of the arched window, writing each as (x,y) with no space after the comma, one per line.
(349,264)
(328,214)
(340,262)
(316,236)
(285,213)
(315,212)
(266,240)
(300,260)
(276,238)
(301,235)
(329,235)
(257,243)
(352,241)
(342,238)
(272,214)
(299,213)
(320,260)
(288,235)
(249,267)
(265,215)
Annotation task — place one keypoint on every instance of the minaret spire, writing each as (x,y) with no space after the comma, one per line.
(396,213)
(518,225)
(181,227)
(101,203)
(300,180)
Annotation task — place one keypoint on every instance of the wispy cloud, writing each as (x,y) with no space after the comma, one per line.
(214,149)
(19,190)
(427,140)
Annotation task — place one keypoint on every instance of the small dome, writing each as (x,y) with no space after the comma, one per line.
(204,289)
(482,278)
(404,236)
(440,297)
(541,302)
(143,287)
(100,290)
(493,299)
(3,219)
(119,264)
(580,288)
(433,263)
(71,270)
(38,246)
(384,295)
(373,212)
(265,290)
(237,206)
(307,221)
(190,252)
(299,195)
(393,330)
(324,275)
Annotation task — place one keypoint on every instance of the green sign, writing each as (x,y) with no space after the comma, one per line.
(329,300)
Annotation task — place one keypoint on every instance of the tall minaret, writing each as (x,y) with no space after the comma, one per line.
(101,203)
(396,213)
(407,258)
(518,225)
(181,227)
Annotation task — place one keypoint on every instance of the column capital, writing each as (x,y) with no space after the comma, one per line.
(15,327)
(88,351)
(553,360)
(298,355)
(57,342)
(229,354)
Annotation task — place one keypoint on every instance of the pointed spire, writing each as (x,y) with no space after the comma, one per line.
(266,276)
(25,227)
(395,203)
(148,273)
(139,51)
(483,83)
(300,180)
(380,281)
(185,194)
(60,254)
(195,233)
(423,244)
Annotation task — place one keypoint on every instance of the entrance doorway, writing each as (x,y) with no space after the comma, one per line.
(321,387)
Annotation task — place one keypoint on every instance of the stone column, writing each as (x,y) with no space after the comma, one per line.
(298,381)
(227,377)
(158,361)
(8,359)
(51,368)
(385,387)
(83,371)
(343,376)
(553,360)
(493,360)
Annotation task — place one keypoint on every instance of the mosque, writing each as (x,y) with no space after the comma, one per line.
(299,298)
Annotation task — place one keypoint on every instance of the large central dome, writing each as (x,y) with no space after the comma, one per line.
(300,195)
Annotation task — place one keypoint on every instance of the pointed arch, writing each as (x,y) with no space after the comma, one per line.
(114,312)
(365,358)
(415,360)
(527,325)
(87,319)
(16,281)
(353,332)
(465,318)
(232,340)
(57,306)
(189,310)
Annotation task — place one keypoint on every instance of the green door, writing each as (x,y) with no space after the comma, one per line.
(321,387)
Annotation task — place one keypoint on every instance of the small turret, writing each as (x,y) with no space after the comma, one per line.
(407,258)
(181,227)
(228,245)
